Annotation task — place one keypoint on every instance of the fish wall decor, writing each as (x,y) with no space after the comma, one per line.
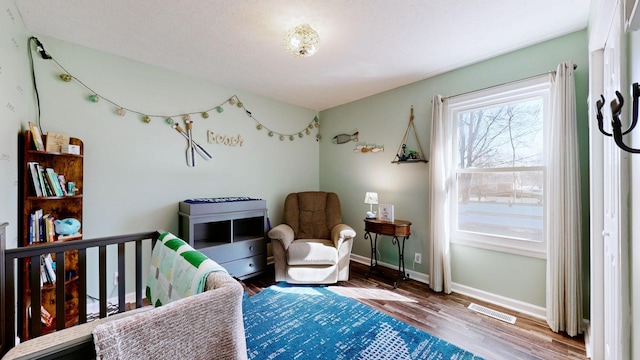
(345,138)
(368,148)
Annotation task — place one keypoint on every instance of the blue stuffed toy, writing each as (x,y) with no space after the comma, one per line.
(68,226)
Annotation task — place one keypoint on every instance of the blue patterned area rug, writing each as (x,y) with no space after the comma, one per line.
(301,322)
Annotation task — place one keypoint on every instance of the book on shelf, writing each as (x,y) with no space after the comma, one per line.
(69,237)
(43,273)
(37,136)
(46,189)
(37,226)
(45,228)
(44,276)
(52,177)
(32,228)
(45,317)
(33,171)
(49,269)
(55,141)
(50,233)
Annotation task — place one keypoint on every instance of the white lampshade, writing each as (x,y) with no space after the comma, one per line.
(371,198)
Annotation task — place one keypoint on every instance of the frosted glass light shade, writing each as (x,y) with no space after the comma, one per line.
(302,41)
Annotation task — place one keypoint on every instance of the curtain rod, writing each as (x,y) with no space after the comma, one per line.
(506,83)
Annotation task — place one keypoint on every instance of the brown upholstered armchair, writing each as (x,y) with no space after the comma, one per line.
(312,246)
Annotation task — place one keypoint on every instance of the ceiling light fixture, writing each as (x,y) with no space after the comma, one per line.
(302,41)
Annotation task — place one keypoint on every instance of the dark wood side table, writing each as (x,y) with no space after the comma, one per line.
(396,229)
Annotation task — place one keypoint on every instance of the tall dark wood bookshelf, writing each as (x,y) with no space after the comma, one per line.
(59,207)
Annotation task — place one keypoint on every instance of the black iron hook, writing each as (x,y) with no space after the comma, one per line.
(617,136)
(635,92)
(616,107)
(616,123)
(599,106)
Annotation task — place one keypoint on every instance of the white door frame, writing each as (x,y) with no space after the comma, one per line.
(594,335)
(608,335)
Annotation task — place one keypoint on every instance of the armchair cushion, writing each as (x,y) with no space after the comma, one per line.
(312,214)
(312,252)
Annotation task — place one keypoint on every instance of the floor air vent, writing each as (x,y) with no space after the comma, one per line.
(492,313)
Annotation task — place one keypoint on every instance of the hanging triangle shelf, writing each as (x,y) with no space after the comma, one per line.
(404,155)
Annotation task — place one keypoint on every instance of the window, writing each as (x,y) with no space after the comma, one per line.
(498,172)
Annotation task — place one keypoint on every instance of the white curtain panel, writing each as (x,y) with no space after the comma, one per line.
(562,188)
(440,180)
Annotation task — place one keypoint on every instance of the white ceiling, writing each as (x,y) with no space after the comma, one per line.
(366,46)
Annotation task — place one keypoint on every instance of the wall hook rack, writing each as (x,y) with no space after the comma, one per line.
(616,123)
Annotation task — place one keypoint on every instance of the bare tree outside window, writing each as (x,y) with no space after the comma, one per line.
(500,175)
(505,136)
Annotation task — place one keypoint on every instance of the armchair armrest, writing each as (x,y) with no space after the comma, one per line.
(340,233)
(283,233)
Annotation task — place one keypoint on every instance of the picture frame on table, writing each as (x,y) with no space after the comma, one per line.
(385,212)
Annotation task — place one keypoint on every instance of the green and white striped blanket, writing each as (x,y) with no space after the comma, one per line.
(177,270)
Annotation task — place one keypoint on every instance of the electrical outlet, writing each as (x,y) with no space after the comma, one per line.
(115,278)
(417,258)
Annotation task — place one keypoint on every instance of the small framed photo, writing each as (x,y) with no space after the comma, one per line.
(385,212)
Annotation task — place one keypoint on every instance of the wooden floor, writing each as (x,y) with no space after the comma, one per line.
(448,318)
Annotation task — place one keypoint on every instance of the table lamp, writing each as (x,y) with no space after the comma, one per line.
(371,198)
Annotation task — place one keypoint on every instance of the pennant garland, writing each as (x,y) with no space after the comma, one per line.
(168,119)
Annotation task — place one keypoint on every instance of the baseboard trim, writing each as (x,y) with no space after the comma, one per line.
(423,278)
(588,341)
(505,302)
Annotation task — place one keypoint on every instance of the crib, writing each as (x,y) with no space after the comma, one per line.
(11,261)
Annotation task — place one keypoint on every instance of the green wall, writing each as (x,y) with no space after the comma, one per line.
(135,174)
(15,110)
(382,119)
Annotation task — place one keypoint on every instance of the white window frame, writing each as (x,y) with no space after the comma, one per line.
(539,86)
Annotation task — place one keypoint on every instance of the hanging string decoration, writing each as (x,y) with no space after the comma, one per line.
(120,110)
